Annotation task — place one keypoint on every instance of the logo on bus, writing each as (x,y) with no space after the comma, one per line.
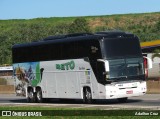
(66,66)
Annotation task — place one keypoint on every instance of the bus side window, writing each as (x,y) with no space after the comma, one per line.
(68,50)
(81,49)
(95,50)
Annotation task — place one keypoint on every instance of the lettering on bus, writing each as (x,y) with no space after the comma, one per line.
(66,66)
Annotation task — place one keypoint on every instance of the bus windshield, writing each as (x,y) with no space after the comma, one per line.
(125,58)
(120,68)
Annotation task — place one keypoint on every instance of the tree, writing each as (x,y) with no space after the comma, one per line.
(158,26)
(79,25)
(59,29)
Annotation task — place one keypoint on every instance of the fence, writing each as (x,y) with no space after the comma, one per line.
(6,85)
(153,86)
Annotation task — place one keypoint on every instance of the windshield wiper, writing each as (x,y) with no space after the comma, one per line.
(114,79)
(122,76)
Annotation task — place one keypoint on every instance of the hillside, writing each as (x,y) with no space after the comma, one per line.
(146,26)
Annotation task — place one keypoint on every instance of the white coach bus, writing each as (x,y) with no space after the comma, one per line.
(104,65)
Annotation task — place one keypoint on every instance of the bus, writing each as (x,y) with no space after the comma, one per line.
(102,65)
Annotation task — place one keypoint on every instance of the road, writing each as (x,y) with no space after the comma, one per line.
(148,101)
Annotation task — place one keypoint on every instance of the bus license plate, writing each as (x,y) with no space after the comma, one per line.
(129,92)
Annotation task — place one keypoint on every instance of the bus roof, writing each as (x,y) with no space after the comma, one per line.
(76,37)
(61,40)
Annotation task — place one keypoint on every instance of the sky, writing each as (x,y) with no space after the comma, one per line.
(29,9)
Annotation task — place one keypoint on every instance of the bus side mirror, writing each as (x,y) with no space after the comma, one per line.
(106,64)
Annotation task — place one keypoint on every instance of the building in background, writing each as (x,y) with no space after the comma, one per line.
(6,70)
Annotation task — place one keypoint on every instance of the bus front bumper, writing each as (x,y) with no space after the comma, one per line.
(121,90)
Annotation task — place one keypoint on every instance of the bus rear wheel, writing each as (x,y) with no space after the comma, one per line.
(31,98)
(87,96)
(39,96)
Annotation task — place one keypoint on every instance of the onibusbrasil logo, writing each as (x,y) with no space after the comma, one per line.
(21,113)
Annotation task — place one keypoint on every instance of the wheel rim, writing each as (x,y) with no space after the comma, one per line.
(30,94)
(39,96)
(87,96)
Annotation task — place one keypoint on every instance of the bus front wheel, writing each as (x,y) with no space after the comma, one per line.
(87,96)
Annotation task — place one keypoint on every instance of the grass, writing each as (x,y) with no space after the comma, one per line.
(82,113)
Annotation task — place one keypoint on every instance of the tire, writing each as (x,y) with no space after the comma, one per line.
(87,96)
(39,96)
(23,92)
(122,100)
(31,98)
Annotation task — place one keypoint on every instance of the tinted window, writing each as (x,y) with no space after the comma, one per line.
(121,47)
(58,51)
